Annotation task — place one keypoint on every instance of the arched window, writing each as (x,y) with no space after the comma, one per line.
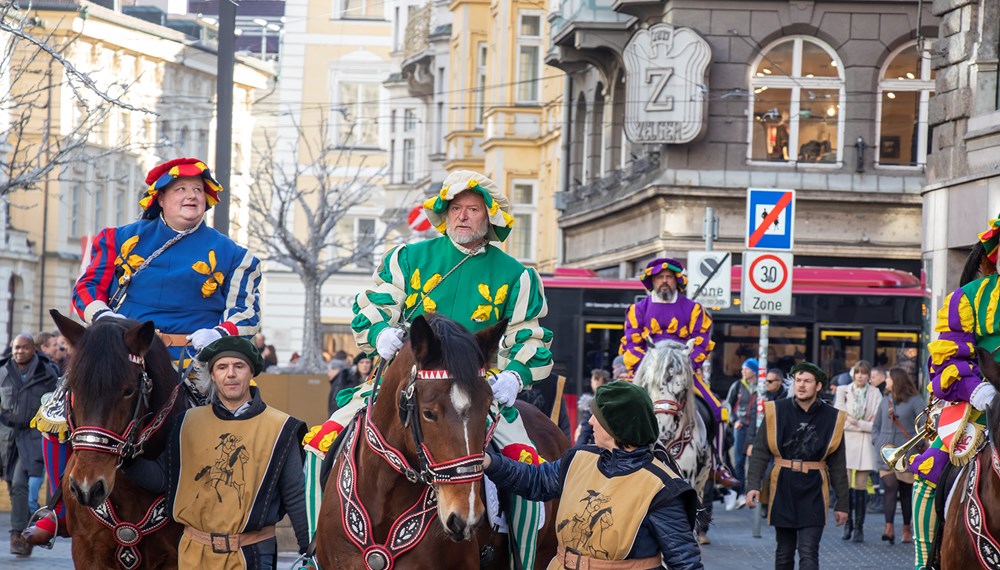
(905,85)
(797,103)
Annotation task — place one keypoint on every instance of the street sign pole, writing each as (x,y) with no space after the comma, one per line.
(765,325)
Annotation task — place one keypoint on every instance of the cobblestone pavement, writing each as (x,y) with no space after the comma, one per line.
(732,548)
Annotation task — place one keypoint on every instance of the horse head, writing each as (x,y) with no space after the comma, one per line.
(438,408)
(112,378)
(666,375)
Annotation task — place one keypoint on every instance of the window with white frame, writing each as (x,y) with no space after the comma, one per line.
(529,57)
(905,86)
(358,113)
(408,160)
(409,120)
(480,83)
(522,236)
(361,9)
(364,233)
(797,103)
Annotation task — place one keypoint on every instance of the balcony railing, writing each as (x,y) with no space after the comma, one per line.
(418,30)
(597,11)
(612,182)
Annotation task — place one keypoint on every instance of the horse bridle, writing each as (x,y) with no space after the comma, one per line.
(129,444)
(461,470)
(671,407)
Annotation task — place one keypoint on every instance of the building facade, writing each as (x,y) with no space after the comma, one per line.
(963,177)
(169,83)
(829,99)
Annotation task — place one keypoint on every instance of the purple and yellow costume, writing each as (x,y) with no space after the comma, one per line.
(649,321)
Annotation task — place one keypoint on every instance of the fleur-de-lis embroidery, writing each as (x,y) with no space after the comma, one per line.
(493,303)
(127,261)
(421,292)
(215,278)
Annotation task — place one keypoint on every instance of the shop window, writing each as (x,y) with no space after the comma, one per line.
(797,103)
(905,86)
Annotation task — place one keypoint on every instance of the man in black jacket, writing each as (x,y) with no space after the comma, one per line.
(804,437)
(24,377)
(233,468)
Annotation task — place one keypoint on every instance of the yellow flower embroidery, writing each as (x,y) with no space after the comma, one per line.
(127,261)
(525,457)
(421,291)
(215,278)
(482,312)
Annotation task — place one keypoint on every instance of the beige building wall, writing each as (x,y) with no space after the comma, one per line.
(164,74)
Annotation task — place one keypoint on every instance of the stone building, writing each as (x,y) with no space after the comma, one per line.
(827,98)
(963,173)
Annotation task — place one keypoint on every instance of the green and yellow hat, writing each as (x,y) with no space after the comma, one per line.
(991,239)
(497,205)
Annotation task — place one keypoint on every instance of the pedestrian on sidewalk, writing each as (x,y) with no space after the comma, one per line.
(894,425)
(860,401)
(804,437)
(741,394)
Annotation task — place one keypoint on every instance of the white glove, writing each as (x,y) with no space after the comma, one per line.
(982,396)
(389,342)
(203,337)
(505,387)
(109,313)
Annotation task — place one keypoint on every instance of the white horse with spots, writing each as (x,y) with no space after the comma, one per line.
(665,373)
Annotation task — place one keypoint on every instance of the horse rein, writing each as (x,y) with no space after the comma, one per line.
(671,407)
(129,444)
(461,470)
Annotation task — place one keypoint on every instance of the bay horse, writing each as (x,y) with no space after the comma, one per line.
(415,455)
(972,521)
(666,375)
(123,398)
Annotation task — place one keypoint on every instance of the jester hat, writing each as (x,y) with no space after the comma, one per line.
(161,176)
(497,206)
(662,264)
(991,239)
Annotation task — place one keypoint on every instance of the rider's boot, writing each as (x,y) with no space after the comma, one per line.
(43,531)
(849,525)
(860,507)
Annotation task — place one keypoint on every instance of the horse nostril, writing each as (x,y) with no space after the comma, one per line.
(97,493)
(456,525)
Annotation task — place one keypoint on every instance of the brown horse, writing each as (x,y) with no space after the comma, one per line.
(430,424)
(123,401)
(976,503)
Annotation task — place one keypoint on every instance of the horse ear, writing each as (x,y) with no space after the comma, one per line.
(423,341)
(988,366)
(69,328)
(139,338)
(489,340)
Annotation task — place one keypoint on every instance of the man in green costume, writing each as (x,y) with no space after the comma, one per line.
(463,276)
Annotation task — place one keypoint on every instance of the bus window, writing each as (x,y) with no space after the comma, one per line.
(600,346)
(839,350)
(898,348)
(735,342)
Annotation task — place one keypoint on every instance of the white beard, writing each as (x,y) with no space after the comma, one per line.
(476,236)
(668,298)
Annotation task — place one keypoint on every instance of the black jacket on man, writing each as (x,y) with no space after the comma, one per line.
(19,402)
(797,501)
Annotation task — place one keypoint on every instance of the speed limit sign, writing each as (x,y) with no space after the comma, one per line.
(767,283)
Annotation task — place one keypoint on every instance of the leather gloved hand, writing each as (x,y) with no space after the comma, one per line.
(505,387)
(204,337)
(389,342)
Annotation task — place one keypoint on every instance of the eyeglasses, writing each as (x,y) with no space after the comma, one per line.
(774,381)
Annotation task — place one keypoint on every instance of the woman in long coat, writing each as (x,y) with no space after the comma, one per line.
(860,400)
(894,425)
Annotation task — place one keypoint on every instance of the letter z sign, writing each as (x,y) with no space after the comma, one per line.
(770,218)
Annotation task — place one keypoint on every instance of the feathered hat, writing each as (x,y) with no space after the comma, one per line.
(161,176)
(991,239)
(497,206)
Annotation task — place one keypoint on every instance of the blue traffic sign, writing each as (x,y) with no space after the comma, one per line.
(770,218)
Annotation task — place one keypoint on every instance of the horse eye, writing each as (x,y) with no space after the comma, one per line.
(429,415)
(129,392)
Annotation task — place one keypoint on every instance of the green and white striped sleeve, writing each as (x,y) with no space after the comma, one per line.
(524,348)
(380,307)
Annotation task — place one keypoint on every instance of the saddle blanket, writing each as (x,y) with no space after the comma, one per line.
(497,518)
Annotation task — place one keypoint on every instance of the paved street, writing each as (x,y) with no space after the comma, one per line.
(732,548)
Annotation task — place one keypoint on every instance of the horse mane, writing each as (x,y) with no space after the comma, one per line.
(96,369)
(662,362)
(460,351)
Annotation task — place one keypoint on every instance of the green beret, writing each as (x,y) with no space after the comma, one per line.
(811,368)
(625,411)
(235,347)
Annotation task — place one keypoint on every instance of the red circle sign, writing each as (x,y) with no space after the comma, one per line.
(418,219)
(781,265)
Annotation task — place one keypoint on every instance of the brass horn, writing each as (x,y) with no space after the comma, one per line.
(898,458)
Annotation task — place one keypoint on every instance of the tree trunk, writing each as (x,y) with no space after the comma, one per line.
(311,360)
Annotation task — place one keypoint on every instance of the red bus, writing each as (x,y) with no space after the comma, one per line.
(840,315)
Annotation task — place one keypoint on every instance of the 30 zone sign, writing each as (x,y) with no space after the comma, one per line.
(767,283)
